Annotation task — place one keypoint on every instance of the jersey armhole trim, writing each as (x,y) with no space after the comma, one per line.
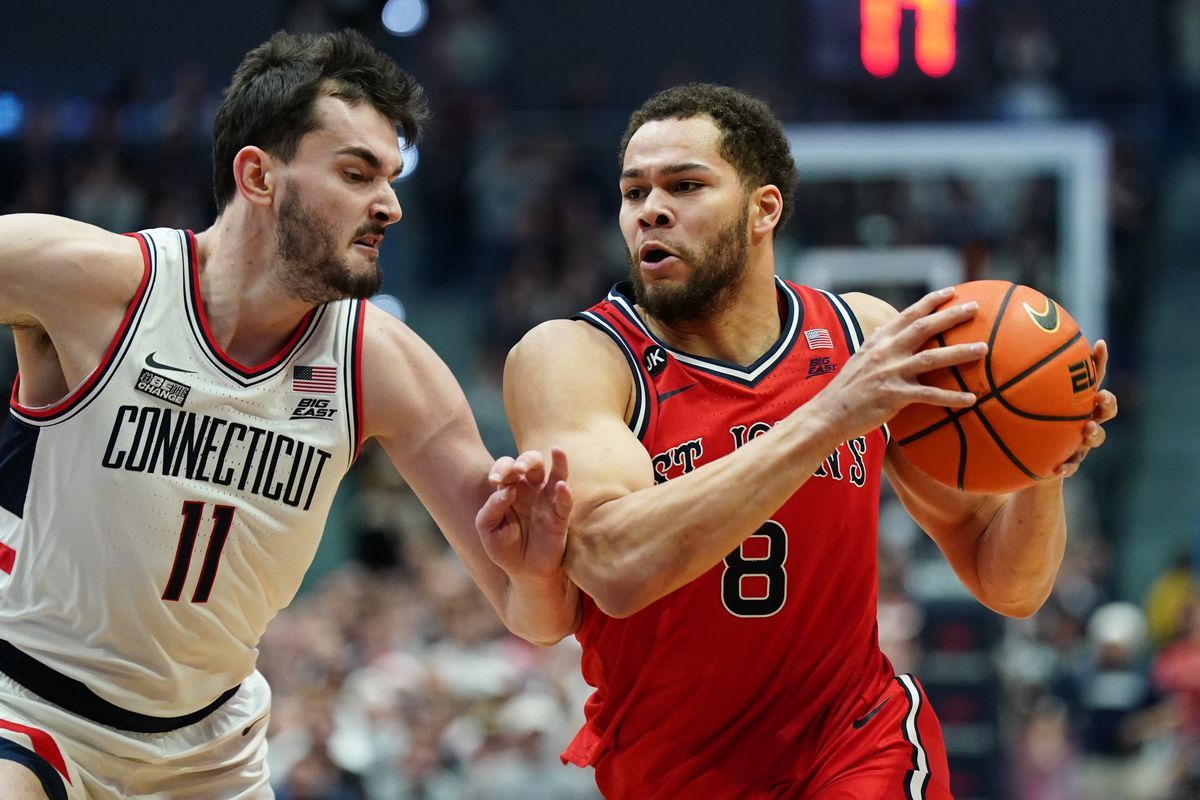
(354,388)
(639,420)
(854,337)
(241,373)
(78,397)
(43,758)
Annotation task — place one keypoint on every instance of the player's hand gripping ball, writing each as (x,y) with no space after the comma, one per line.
(1034,390)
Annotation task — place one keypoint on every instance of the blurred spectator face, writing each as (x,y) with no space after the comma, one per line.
(685,229)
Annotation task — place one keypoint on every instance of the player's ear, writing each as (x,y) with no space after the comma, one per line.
(765,211)
(253,170)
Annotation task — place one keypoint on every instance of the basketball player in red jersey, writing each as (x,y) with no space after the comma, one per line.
(727,435)
(186,407)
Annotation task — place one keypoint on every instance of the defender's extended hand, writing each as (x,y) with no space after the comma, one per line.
(523,524)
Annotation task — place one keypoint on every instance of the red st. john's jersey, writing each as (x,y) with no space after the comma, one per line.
(728,682)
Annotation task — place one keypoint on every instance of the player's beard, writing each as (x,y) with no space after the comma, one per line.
(712,285)
(311,269)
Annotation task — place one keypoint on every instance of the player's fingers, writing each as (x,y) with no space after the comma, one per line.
(925,328)
(491,515)
(1093,434)
(949,356)
(1100,356)
(564,501)
(559,470)
(1105,407)
(922,307)
(533,466)
(934,396)
(504,471)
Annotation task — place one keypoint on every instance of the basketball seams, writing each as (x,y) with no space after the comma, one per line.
(999,393)
(992,336)
(995,391)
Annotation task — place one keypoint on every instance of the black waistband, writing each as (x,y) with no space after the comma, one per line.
(77,698)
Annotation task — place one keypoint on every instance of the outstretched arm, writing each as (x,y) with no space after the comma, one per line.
(633,541)
(1006,549)
(523,527)
(418,413)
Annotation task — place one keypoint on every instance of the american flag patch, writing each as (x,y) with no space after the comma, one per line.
(818,339)
(314,380)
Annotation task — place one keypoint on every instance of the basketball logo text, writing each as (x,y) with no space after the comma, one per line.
(1083,375)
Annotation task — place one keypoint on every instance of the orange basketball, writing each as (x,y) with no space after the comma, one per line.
(1034,391)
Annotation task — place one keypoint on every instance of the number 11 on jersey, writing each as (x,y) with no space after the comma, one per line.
(193,511)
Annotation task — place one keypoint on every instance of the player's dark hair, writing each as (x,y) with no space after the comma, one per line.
(271,102)
(752,140)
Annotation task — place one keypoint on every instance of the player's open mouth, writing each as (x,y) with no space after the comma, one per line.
(652,254)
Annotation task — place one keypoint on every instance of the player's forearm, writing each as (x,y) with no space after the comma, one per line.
(542,611)
(1021,550)
(628,552)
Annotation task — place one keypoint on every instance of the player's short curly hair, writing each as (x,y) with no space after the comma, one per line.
(271,102)
(752,140)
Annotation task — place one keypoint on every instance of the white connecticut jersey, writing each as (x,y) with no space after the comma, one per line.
(154,520)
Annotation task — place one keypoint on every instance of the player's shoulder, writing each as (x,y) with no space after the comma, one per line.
(563,343)
(61,238)
(54,269)
(870,311)
(387,341)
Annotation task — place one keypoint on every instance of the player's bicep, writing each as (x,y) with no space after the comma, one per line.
(57,272)
(566,385)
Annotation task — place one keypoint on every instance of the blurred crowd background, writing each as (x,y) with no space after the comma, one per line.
(392,677)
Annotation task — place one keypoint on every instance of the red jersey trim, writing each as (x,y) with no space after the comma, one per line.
(228,365)
(354,400)
(77,397)
(43,745)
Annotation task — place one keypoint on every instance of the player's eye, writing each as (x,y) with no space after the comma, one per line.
(633,193)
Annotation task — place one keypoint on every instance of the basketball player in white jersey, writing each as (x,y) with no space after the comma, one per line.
(185,408)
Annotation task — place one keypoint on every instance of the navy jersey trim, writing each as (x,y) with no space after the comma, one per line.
(639,420)
(18,442)
(82,396)
(845,315)
(77,698)
(620,297)
(51,781)
(854,336)
(239,373)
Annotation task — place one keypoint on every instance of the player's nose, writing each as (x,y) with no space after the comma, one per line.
(386,207)
(655,212)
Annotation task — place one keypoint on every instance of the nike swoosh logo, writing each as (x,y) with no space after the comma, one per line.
(674,392)
(863,720)
(1046,320)
(252,724)
(152,362)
